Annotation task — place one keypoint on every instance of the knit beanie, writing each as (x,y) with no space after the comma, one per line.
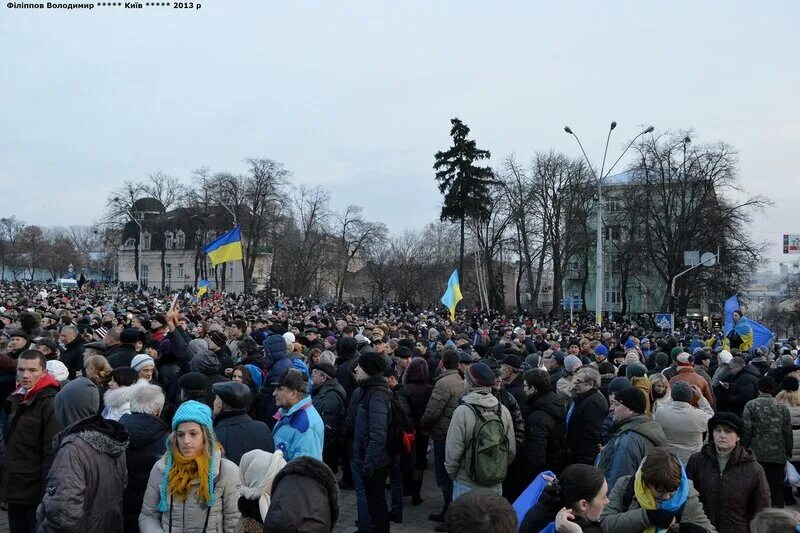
(480,375)
(141,361)
(725,357)
(372,363)
(684,359)
(673,354)
(618,384)
(199,413)
(662,359)
(601,350)
(633,399)
(682,392)
(790,384)
(766,384)
(606,368)
(635,370)
(218,338)
(631,357)
(572,363)
(630,343)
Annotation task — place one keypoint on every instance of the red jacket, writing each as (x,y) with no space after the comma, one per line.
(687,374)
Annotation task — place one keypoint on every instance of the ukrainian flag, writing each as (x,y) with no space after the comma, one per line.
(453,294)
(225,248)
(202,287)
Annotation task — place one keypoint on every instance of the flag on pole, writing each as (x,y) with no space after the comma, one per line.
(202,287)
(225,248)
(453,294)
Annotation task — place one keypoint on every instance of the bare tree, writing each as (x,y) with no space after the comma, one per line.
(354,236)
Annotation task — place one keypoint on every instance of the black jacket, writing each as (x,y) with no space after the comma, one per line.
(147,437)
(305,498)
(120,355)
(329,401)
(72,357)
(545,440)
(517,389)
(742,389)
(584,428)
(239,434)
(417,389)
(555,375)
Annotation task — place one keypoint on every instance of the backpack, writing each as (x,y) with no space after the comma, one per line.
(400,432)
(488,447)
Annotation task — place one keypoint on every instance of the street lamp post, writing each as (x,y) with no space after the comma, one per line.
(599,260)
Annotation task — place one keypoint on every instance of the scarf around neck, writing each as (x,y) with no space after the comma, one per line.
(185,471)
(648,502)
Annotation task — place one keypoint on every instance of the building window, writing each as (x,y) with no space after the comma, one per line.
(613,297)
(145,241)
(145,274)
(180,240)
(169,241)
(611,233)
(129,243)
(180,270)
(168,270)
(613,205)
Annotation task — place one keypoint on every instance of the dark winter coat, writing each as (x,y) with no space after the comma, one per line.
(29,444)
(329,401)
(371,424)
(277,362)
(555,375)
(545,439)
(517,389)
(72,356)
(584,427)
(730,498)
(239,434)
(86,484)
(540,515)
(633,438)
(147,437)
(120,355)
(517,417)
(417,389)
(742,389)
(305,498)
(345,364)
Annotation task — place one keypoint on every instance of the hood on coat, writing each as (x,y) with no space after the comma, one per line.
(318,471)
(196,347)
(116,398)
(551,403)
(417,371)
(79,399)
(205,362)
(105,436)
(274,349)
(480,396)
(144,429)
(646,427)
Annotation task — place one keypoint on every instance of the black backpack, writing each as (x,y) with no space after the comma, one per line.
(400,433)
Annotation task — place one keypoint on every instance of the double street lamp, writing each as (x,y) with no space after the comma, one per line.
(599,292)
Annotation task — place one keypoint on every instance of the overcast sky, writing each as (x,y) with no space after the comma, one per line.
(356,96)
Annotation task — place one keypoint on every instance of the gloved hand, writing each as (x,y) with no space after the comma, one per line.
(368,471)
(660,518)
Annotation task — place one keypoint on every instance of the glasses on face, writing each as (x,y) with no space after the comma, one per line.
(580,382)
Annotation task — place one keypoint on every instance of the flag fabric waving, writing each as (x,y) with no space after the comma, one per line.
(226,248)
(202,287)
(761,335)
(453,294)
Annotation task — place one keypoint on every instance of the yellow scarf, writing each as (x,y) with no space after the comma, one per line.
(186,470)
(645,498)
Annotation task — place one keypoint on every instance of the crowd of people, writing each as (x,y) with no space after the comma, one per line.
(130,410)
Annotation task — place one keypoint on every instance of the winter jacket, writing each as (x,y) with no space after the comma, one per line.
(345,363)
(767,430)
(458,460)
(305,499)
(86,484)
(417,389)
(743,388)
(329,401)
(72,356)
(633,438)
(684,426)
(517,389)
(618,517)
(555,375)
(190,515)
(702,371)
(687,374)
(31,426)
(371,425)
(120,355)
(448,389)
(730,498)
(564,386)
(545,438)
(794,413)
(722,373)
(299,431)
(584,426)
(517,418)
(277,362)
(643,384)
(540,515)
(147,436)
(118,401)
(238,434)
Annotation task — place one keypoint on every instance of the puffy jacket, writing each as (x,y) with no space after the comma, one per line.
(329,401)
(684,426)
(31,427)
(794,412)
(618,517)
(730,498)
(545,438)
(371,424)
(147,436)
(691,377)
(457,459)
(633,439)
(190,515)
(742,389)
(517,418)
(448,389)
(517,389)
(299,431)
(86,484)
(767,430)
(584,426)
(239,434)
(277,362)
(305,499)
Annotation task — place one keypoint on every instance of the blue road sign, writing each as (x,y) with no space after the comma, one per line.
(664,321)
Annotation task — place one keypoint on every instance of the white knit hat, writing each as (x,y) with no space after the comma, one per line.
(142,360)
(57,369)
(725,357)
(257,470)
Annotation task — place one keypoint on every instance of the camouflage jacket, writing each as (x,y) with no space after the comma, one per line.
(767,429)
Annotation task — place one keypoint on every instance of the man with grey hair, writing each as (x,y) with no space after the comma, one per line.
(72,356)
(585,416)
(147,443)
(740,387)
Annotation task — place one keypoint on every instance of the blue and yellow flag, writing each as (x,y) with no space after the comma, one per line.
(225,248)
(202,287)
(453,294)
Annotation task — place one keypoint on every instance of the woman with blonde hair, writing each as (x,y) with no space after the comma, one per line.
(191,488)
(775,521)
(97,369)
(660,391)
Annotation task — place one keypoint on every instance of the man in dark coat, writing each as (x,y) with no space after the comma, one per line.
(72,356)
(733,395)
(328,398)
(147,435)
(121,355)
(29,442)
(513,379)
(86,483)
(305,497)
(545,442)
(517,477)
(346,361)
(235,430)
(585,416)
(277,362)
